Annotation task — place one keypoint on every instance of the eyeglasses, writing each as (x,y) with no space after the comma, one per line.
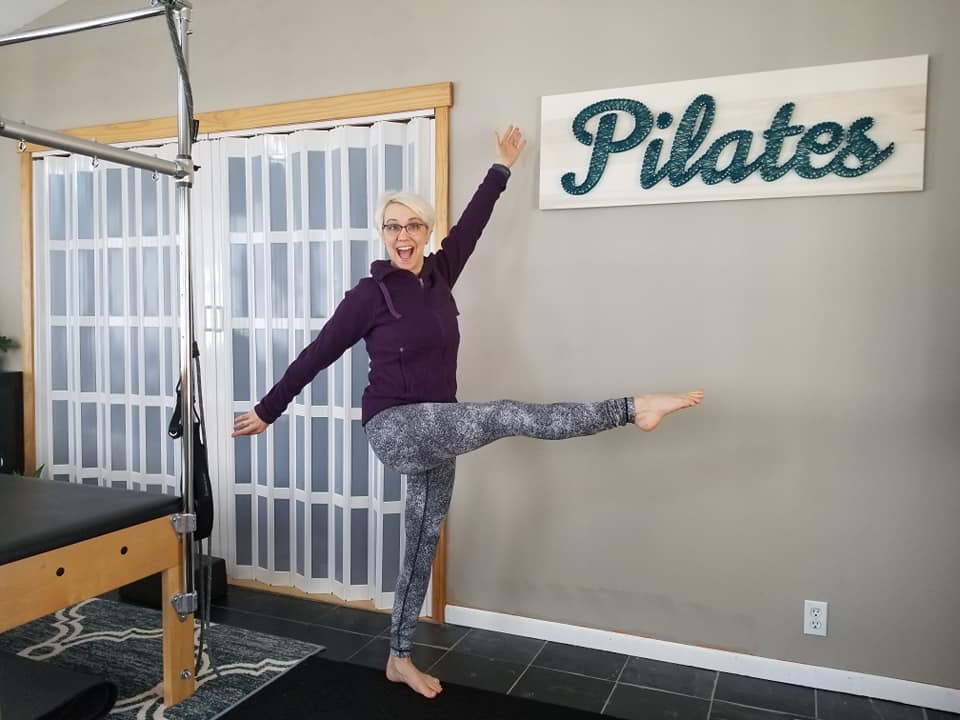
(414,228)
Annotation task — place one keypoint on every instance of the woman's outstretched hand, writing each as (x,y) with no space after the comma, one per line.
(248,424)
(509,146)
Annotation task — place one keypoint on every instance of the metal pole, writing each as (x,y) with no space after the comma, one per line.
(55,30)
(184,153)
(70,143)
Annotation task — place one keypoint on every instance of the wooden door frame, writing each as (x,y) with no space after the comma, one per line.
(437,97)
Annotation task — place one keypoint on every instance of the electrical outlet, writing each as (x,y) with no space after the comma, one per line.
(814,617)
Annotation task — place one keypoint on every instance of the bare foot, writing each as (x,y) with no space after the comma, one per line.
(651,409)
(403,670)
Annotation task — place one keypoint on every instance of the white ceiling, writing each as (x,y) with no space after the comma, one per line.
(14,14)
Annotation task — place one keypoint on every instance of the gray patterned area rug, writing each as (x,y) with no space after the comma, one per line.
(123,643)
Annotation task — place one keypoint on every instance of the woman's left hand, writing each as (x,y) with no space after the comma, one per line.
(509,146)
(248,424)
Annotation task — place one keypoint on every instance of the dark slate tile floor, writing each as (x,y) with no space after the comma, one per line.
(602,682)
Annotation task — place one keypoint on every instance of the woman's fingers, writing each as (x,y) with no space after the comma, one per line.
(248,424)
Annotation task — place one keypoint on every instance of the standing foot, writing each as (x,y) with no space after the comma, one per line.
(403,670)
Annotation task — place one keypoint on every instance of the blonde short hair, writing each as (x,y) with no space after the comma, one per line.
(421,208)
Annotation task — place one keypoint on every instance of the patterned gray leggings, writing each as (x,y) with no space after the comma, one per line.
(423,440)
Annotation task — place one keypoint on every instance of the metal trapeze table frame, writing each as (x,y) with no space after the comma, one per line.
(182,170)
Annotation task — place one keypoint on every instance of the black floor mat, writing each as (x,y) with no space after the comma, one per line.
(32,690)
(319,688)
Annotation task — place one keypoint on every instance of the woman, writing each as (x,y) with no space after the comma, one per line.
(407,315)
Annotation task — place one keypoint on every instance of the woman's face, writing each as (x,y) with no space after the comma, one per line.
(405,236)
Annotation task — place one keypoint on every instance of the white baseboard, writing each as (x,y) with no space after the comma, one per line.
(854,683)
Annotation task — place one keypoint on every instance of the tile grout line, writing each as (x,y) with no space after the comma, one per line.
(615,683)
(529,665)
(256,613)
(448,651)
(784,713)
(385,635)
(583,675)
(663,690)
(361,648)
(816,704)
(713,694)
(321,608)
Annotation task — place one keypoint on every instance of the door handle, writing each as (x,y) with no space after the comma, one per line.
(213,318)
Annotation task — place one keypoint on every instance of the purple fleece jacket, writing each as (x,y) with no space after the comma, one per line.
(409,323)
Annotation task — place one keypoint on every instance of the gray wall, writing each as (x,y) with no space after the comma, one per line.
(823,463)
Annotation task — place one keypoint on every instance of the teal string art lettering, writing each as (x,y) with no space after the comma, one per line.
(856,153)
(779,130)
(649,175)
(862,148)
(603,143)
(691,132)
(810,143)
(738,169)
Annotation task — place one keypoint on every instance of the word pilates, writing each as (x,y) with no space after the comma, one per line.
(856,154)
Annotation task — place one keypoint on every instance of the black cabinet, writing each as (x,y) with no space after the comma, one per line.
(11,422)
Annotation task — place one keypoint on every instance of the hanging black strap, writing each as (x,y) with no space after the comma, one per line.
(202,489)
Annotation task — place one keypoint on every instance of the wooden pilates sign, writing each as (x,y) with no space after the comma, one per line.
(828,130)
